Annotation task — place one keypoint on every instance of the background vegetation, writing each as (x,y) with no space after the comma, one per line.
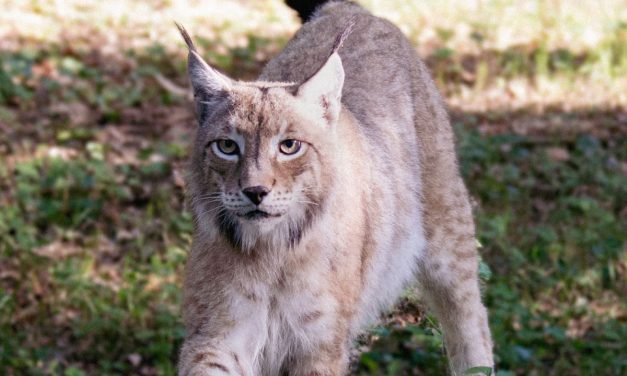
(94,134)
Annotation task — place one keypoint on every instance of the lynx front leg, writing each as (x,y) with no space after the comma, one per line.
(226,345)
(327,360)
(198,357)
(326,351)
(448,274)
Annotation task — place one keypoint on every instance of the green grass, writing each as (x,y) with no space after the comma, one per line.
(93,231)
(553,234)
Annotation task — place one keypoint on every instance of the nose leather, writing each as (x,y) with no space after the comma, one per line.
(256,194)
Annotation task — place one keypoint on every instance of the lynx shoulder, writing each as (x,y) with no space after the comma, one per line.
(319,192)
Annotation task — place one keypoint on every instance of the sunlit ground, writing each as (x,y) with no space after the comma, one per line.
(94,128)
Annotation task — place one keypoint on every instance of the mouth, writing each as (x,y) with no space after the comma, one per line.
(257,214)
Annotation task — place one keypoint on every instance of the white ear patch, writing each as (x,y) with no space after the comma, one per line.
(324,89)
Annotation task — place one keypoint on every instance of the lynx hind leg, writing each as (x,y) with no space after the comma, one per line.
(448,274)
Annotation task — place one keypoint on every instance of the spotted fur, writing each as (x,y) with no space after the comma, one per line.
(373,202)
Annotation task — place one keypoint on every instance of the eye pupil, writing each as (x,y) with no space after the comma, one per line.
(228,147)
(289,147)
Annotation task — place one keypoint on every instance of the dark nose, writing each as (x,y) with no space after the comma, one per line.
(256,194)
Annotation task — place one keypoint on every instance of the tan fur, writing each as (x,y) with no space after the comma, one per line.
(375,199)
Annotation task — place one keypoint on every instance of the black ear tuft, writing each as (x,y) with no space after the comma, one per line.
(211,88)
(341,37)
(186,37)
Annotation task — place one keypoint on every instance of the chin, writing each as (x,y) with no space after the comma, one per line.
(262,224)
(256,229)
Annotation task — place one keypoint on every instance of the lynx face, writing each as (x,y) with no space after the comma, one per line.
(261,156)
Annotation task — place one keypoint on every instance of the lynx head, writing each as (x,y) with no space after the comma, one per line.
(263,155)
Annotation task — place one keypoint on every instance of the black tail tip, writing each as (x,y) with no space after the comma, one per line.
(305,8)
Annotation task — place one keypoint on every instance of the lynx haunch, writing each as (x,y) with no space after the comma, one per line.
(319,192)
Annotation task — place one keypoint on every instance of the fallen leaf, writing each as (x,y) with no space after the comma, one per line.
(557,154)
(57,250)
(134,359)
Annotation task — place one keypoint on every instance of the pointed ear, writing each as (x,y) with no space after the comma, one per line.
(324,88)
(211,88)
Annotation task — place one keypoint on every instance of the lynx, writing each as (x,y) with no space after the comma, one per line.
(320,192)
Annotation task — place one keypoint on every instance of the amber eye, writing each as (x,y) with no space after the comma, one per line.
(228,147)
(289,147)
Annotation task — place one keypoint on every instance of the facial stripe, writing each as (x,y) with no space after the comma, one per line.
(257,140)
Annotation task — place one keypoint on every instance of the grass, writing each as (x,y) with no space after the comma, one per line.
(94,233)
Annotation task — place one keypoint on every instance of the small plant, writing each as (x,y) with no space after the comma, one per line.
(483,371)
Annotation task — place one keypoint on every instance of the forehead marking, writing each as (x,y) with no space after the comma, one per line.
(257,141)
(261,122)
